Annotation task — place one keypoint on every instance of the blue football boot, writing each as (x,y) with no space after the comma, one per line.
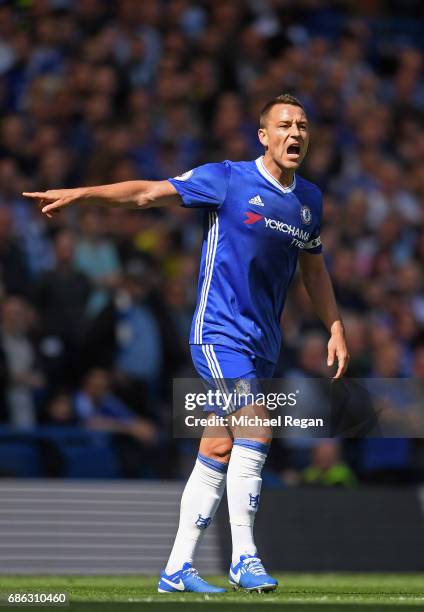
(186,580)
(250,574)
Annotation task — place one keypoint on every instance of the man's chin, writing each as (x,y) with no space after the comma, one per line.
(291,164)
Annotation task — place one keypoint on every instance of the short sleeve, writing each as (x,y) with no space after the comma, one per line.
(205,186)
(314,246)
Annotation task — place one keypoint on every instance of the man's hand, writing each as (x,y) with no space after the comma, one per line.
(337,349)
(52,200)
(134,195)
(144,430)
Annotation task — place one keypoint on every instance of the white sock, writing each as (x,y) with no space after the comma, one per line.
(199,502)
(243,490)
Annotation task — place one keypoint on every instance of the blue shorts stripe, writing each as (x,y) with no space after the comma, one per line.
(222,383)
(214,368)
(218,466)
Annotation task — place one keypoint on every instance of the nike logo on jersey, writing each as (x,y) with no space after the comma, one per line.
(256,200)
(177,585)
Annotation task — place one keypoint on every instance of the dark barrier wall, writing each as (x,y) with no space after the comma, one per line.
(128,527)
(372,529)
(93,527)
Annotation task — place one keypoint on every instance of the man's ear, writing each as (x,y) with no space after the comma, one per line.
(263,137)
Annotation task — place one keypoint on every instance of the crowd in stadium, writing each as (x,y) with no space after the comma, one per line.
(96,304)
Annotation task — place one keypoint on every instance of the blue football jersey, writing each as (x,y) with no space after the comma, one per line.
(253,231)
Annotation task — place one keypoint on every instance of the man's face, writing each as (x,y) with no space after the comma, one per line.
(65,247)
(97,384)
(285,135)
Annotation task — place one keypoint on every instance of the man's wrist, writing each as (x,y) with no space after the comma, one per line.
(337,328)
(87,193)
(91,195)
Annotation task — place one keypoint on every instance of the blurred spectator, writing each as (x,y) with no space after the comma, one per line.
(139,355)
(97,258)
(387,361)
(24,376)
(357,338)
(344,280)
(97,408)
(327,468)
(61,297)
(59,410)
(310,378)
(14,274)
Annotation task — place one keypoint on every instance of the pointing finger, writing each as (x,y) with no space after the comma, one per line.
(340,369)
(54,206)
(343,361)
(35,195)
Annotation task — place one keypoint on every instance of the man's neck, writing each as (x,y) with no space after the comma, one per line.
(283,175)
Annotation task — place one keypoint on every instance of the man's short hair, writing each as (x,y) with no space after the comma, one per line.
(283,99)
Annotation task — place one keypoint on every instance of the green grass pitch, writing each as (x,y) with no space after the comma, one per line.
(297,593)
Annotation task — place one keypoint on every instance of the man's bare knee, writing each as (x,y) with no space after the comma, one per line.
(260,431)
(216,448)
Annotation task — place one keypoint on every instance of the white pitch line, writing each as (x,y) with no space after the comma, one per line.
(120,502)
(70,512)
(114,524)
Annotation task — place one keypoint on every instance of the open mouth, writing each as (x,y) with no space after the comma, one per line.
(293,150)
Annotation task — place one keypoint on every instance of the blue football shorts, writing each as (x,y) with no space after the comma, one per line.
(235,374)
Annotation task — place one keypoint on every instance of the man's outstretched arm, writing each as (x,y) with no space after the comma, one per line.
(318,285)
(130,194)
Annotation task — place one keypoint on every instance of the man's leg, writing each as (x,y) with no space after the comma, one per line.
(201,497)
(244,483)
(244,479)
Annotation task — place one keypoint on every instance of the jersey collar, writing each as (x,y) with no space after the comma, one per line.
(268,176)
